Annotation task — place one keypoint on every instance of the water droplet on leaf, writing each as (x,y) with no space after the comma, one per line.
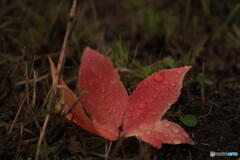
(142,105)
(173,84)
(141,126)
(145,84)
(142,118)
(154,113)
(103,90)
(165,135)
(175,130)
(185,135)
(158,77)
(177,141)
(131,108)
(179,71)
(166,124)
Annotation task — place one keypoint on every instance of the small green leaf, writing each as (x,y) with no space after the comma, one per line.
(169,61)
(206,81)
(189,120)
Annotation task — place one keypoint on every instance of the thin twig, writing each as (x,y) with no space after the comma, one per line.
(20,140)
(63,53)
(34,90)
(42,136)
(26,84)
(58,79)
(75,103)
(16,117)
(208,112)
(107,150)
(32,80)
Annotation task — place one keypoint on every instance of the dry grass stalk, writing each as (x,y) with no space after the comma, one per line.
(53,97)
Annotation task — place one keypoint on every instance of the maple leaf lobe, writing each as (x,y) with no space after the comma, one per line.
(154,96)
(107,97)
(149,102)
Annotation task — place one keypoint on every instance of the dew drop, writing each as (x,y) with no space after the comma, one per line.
(142,105)
(145,84)
(173,84)
(177,141)
(175,130)
(154,96)
(142,118)
(142,97)
(185,135)
(154,103)
(158,77)
(148,132)
(129,115)
(154,113)
(103,90)
(131,108)
(165,135)
(166,124)
(141,126)
(179,71)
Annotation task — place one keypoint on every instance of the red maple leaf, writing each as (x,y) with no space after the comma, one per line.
(107,105)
